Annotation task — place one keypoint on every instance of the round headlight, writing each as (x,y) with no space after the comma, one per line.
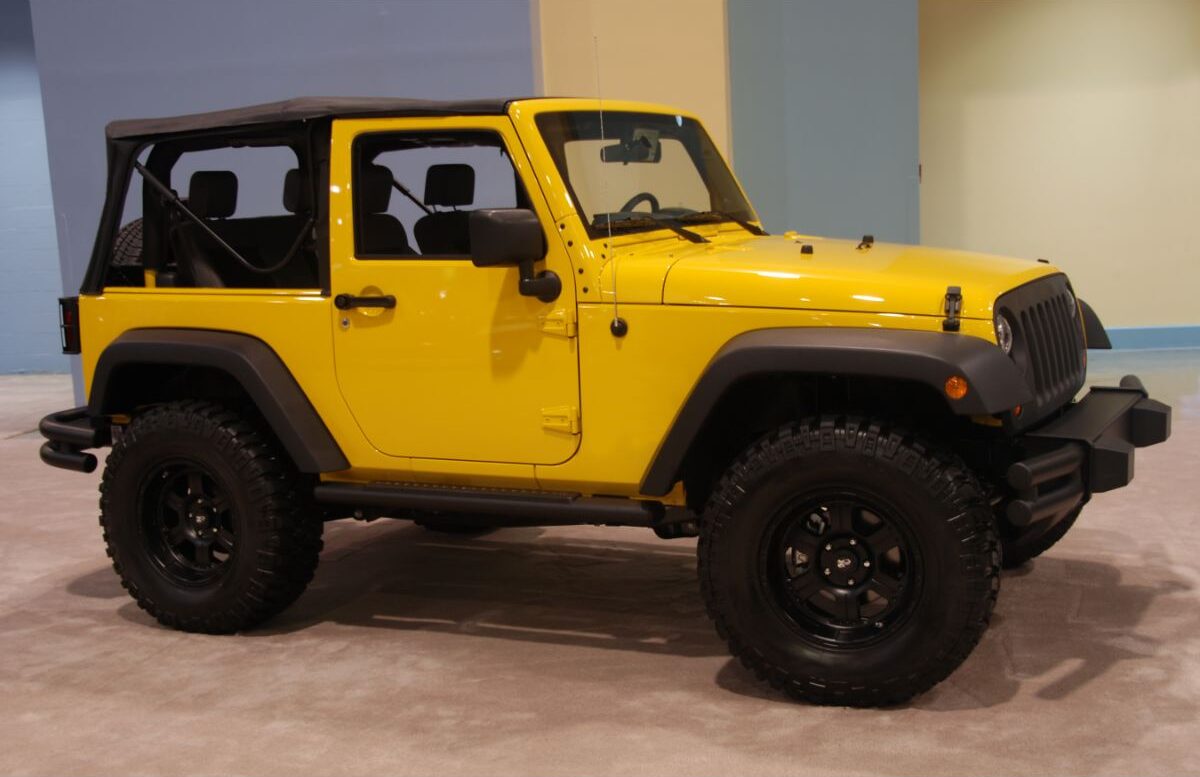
(1004,333)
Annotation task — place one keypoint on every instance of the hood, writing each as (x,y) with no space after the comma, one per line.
(773,272)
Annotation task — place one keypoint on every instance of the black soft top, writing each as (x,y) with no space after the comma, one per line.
(301,109)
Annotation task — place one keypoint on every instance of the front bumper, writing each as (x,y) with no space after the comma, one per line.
(1086,450)
(68,433)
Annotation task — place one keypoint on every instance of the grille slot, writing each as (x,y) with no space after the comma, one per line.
(1049,345)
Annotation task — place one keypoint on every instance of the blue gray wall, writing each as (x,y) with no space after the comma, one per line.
(825,119)
(129,58)
(28,254)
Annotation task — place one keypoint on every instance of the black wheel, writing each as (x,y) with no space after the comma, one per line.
(206,521)
(846,563)
(1018,551)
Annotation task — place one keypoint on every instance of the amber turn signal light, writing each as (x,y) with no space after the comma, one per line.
(956,387)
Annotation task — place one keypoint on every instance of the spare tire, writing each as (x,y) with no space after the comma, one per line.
(127,248)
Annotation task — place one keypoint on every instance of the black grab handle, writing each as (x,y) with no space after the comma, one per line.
(347,301)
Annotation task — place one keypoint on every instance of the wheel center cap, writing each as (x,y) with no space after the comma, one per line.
(845,562)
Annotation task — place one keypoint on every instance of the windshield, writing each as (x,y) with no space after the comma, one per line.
(644,171)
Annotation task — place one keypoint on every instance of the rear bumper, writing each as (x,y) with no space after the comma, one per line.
(68,433)
(1087,450)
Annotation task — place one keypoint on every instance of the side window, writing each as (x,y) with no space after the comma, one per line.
(250,199)
(414,192)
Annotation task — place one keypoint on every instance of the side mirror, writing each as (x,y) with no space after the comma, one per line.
(513,236)
(505,236)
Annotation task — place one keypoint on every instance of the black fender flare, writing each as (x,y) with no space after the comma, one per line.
(249,361)
(1093,331)
(995,384)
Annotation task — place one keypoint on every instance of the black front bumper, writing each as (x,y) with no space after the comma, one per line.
(68,434)
(1086,450)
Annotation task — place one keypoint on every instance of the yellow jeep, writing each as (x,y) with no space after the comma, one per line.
(561,311)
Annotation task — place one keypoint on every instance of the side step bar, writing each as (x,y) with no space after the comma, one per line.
(512,506)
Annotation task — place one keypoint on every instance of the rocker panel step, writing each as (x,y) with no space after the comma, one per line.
(516,507)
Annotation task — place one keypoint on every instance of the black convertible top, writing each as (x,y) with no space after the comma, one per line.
(302,109)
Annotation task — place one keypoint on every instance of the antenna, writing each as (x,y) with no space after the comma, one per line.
(619,327)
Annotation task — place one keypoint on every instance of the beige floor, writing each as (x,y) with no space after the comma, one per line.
(565,651)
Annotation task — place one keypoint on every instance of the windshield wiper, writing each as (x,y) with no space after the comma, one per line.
(603,221)
(721,215)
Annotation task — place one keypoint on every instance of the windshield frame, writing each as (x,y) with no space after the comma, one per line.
(553,126)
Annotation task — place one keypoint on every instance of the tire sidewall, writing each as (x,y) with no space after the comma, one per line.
(143,451)
(941,578)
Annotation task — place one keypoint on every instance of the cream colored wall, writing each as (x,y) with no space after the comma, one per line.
(1069,129)
(667,51)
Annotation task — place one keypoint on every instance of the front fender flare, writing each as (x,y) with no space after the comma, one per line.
(250,362)
(995,383)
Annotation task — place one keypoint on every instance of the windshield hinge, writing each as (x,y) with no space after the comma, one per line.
(559,321)
(953,308)
(562,418)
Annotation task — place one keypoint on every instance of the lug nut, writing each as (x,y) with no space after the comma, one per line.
(828,547)
(853,542)
(866,563)
(851,581)
(827,570)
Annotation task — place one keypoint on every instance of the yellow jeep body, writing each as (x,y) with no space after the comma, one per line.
(466,382)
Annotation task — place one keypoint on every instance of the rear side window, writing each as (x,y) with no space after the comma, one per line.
(414,192)
(244,219)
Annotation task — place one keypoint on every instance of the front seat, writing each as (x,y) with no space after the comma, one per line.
(380,233)
(447,232)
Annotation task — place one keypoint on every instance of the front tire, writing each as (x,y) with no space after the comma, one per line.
(205,519)
(845,563)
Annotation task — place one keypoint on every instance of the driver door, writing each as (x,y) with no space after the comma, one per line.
(461,366)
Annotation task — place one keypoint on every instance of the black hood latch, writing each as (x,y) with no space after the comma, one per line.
(953,308)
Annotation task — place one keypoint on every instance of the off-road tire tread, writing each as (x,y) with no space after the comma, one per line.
(127,247)
(943,473)
(289,557)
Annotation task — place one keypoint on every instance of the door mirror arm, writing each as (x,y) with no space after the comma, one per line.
(544,285)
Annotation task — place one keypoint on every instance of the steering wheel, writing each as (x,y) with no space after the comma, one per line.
(638,199)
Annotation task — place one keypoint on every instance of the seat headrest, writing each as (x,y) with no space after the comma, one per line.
(451,184)
(212,194)
(375,188)
(293,191)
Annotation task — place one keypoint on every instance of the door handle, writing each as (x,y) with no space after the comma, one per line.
(348,301)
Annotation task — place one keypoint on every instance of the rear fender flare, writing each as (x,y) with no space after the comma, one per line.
(253,364)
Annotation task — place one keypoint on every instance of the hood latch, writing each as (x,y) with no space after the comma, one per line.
(953,308)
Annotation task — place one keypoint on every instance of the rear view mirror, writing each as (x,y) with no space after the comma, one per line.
(643,146)
(505,236)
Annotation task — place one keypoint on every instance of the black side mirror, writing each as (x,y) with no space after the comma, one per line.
(505,236)
(513,236)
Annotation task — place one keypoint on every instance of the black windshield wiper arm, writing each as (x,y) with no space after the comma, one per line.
(753,229)
(671,224)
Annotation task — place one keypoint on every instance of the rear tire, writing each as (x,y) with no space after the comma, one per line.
(845,563)
(1017,552)
(207,522)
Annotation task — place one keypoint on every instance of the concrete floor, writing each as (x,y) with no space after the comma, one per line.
(565,651)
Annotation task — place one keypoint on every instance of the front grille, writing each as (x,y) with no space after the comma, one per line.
(1048,343)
